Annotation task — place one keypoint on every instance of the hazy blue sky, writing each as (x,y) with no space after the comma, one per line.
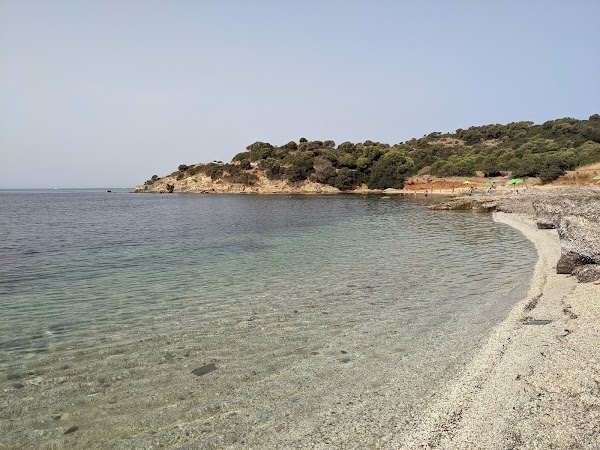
(107,93)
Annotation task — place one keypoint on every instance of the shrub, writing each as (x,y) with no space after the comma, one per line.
(242,178)
(213,170)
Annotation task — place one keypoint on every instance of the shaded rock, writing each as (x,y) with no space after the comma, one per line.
(566,264)
(537,322)
(73,429)
(545,224)
(587,273)
(204,370)
(487,207)
(18,386)
(570,261)
(530,321)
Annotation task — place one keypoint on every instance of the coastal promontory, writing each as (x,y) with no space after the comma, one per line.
(522,150)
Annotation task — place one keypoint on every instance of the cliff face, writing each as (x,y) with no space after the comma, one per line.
(202,184)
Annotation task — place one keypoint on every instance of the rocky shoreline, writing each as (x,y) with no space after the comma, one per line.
(535,382)
(573,211)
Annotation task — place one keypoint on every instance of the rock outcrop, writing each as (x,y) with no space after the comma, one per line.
(465,203)
(202,184)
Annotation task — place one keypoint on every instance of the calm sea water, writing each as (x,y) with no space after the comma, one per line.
(330,321)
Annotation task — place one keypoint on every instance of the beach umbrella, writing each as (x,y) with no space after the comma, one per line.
(597,177)
(488,183)
(466,182)
(515,181)
(506,177)
(496,181)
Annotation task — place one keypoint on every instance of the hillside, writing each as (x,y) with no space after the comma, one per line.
(520,149)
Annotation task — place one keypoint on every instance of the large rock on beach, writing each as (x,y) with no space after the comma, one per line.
(569,261)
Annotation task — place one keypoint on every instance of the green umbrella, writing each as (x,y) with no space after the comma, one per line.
(515,181)
(597,177)
(488,183)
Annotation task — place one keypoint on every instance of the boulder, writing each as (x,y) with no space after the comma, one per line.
(545,224)
(569,261)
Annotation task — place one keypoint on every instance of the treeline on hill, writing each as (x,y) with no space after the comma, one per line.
(521,148)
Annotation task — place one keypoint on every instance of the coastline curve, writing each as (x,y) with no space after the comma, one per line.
(534,382)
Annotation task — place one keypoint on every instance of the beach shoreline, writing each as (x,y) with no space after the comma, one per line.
(535,382)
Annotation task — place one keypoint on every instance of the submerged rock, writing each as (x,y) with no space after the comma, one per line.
(465,204)
(204,370)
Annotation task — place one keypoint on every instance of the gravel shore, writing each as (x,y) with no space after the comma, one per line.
(536,382)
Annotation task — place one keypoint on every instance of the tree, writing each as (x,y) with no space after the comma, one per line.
(346,146)
(344,180)
(390,171)
(324,170)
(290,146)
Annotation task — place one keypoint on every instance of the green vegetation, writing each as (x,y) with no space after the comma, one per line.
(519,148)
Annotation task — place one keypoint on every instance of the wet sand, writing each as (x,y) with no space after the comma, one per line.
(536,381)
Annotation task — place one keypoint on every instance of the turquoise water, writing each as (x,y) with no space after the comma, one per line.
(330,320)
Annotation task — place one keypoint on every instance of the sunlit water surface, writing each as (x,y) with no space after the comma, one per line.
(330,320)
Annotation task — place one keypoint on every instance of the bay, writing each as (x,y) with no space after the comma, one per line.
(239,321)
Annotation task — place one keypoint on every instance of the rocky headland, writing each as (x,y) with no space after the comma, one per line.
(200,183)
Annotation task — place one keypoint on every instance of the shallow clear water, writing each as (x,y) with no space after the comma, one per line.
(331,320)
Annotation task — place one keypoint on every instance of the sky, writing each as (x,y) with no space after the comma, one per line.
(106,93)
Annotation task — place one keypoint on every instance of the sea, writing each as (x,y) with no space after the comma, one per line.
(239,321)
